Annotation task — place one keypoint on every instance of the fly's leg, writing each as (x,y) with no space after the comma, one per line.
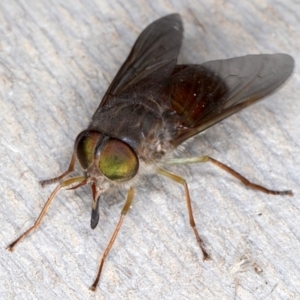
(38,221)
(182,181)
(113,238)
(237,175)
(58,178)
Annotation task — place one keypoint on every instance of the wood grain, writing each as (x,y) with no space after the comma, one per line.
(56,60)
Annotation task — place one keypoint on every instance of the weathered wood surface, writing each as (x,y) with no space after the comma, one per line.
(56,61)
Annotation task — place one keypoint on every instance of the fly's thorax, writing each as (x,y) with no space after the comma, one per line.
(146,127)
(105,159)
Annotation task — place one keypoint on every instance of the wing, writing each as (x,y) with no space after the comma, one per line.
(155,51)
(203,95)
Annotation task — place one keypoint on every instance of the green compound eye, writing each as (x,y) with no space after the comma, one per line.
(118,162)
(85,146)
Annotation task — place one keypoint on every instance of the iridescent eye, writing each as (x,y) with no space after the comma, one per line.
(118,161)
(85,146)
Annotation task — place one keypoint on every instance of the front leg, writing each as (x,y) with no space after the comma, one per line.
(58,178)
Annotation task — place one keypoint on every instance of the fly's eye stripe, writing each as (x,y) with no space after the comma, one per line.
(118,161)
(86,147)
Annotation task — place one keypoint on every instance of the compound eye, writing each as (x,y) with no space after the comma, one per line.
(85,147)
(118,161)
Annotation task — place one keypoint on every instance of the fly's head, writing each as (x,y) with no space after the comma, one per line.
(105,160)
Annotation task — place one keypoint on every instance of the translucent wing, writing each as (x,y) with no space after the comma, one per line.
(203,95)
(155,50)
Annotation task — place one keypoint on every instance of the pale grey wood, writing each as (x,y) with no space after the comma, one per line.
(56,61)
